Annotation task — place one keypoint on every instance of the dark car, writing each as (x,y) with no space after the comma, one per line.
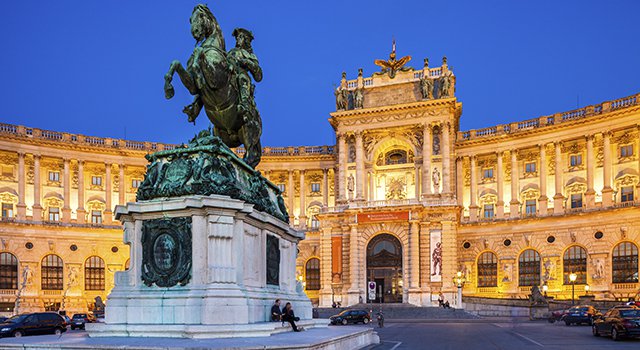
(580,314)
(351,316)
(78,320)
(34,323)
(2,319)
(618,322)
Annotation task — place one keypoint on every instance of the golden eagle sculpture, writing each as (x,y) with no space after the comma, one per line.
(392,65)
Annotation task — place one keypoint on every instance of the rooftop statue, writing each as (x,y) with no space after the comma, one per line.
(220,82)
(392,65)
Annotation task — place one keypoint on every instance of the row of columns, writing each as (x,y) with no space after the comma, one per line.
(361,175)
(66,185)
(558,198)
(303,193)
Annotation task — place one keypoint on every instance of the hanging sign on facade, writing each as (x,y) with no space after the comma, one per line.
(382,216)
(436,255)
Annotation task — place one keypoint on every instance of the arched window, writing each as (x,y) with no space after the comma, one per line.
(8,271)
(487,270)
(575,261)
(529,268)
(94,273)
(625,263)
(312,272)
(52,273)
(396,156)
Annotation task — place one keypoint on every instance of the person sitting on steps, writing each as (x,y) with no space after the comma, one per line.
(289,316)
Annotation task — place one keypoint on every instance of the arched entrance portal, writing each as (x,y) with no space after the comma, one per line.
(384,266)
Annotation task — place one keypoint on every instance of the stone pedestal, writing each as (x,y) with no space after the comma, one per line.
(202,266)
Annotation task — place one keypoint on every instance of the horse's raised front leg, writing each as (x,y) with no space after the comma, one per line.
(187,80)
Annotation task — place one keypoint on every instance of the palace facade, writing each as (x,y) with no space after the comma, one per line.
(404,200)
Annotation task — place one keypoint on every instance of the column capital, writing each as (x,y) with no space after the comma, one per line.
(21,154)
(80,161)
(358,133)
(607,133)
(37,156)
(589,137)
(66,159)
(325,170)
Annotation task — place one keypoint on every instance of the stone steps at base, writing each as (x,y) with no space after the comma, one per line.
(262,329)
(403,311)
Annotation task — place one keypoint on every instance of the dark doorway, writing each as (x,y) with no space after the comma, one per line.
(384,266)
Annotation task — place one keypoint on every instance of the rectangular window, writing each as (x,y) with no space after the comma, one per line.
(530,168)
(530,207)
(626,194)
(488,211)
(54,176)
(96,217)
(575,160)
(315,187)
(282,187)
(626,151)
(576,200)
(135,183)
(7,210)
(54,214)
(487,173)
(315,224)
(96,180)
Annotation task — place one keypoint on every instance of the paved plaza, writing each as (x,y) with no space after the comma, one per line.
(504,334)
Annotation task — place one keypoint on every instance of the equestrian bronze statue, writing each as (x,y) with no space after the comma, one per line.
(220,82)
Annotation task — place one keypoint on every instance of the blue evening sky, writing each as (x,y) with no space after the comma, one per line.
(96,67)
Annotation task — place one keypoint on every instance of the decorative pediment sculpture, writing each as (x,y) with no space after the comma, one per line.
(391,66)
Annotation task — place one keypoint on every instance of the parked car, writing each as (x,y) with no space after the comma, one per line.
(2,319)
(351,316)
(580,314)
(33,323)
(78,320)
(618,322)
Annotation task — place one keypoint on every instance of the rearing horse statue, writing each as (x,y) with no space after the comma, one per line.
(220,83)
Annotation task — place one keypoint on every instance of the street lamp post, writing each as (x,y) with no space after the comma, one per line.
(459,280)
(572,278)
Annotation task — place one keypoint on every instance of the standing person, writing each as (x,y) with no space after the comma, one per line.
(276,313)
(289,316)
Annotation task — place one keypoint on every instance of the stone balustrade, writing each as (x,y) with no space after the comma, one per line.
(546,121)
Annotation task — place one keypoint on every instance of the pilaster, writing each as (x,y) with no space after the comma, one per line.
(82,214)
(108,212)
(122,199)
(500,184)
(66,209)
(558,198)
(446,159)
(325,187)
(607,191)
(473,207)
(514,204)
(426,160)
(37,186)
(590,194)
(21,207)
(543,199)
(290,197)
(303,204)
(325,267)
(360,178)
(342,164)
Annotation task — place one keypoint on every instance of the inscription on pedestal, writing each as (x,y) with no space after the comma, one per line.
(166,251)
(273,260)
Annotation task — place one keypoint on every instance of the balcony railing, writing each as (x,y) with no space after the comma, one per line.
(391,203)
